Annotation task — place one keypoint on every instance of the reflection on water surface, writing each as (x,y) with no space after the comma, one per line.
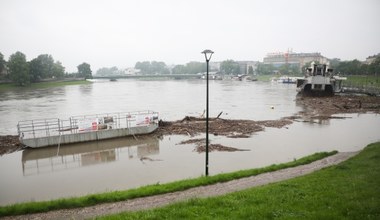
(52,159)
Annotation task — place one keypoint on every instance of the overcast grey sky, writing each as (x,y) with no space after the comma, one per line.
(121,32)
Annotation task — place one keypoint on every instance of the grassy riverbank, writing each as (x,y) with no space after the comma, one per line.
(265,78)
(34,207)
(363,80)
(349,190)
(10,86)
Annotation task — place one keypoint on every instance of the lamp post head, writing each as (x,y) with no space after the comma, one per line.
(208,54)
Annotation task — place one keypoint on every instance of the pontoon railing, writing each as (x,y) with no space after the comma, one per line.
(76,124)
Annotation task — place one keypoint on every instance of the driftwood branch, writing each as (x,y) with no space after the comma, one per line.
(219,114)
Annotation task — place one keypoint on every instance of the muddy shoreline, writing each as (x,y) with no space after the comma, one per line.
(9,144)
(316,109)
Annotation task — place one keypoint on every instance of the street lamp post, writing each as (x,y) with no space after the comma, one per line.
(208,55)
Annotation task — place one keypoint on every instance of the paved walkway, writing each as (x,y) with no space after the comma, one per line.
(197,192)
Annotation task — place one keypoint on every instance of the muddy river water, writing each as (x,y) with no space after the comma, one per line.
(49,173)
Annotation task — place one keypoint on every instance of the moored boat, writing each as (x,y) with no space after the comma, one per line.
(319,80)
(285,79)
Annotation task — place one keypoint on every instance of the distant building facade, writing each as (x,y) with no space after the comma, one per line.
(293,59)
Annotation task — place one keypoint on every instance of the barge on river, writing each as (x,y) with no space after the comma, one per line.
(76,129)
(319,81)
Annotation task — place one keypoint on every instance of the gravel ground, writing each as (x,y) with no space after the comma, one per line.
(197,192)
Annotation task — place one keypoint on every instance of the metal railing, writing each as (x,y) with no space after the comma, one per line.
(85,123)
(367,88)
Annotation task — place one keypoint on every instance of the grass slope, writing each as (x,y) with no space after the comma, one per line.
(350,190)
(34,207)
(10,86)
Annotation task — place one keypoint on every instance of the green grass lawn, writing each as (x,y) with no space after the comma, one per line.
(265,78)
(10,86)
(76,202)
(373,81)
(350,190)
(6,86)
(59,83)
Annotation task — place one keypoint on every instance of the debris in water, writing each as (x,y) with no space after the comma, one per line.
(201,146)
(217,147)
(142,159)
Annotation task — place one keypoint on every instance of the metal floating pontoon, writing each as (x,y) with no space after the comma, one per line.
(54,131)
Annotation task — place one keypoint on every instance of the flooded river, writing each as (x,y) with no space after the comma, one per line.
(49,173)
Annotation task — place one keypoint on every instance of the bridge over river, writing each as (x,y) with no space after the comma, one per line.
(150,76)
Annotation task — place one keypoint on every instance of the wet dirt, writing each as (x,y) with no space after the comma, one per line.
(9,144)
(327,106)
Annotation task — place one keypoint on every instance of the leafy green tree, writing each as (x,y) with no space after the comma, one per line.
(374,67)
(153,67)
(2,63)
(334,63)
(47,62)
(353,67)
(195,67)
(144,67)
(284,69)
(58,71)
(84,70)
(250,70)
(179,69)
(108,71)
(43,67)
(19,69)
(289,69)
(35,70)
(265,69)
(190,68)
(159,68)
(230,67)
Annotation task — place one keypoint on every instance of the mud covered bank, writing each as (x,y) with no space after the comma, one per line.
(327,106)
(9,144)
(314,108)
